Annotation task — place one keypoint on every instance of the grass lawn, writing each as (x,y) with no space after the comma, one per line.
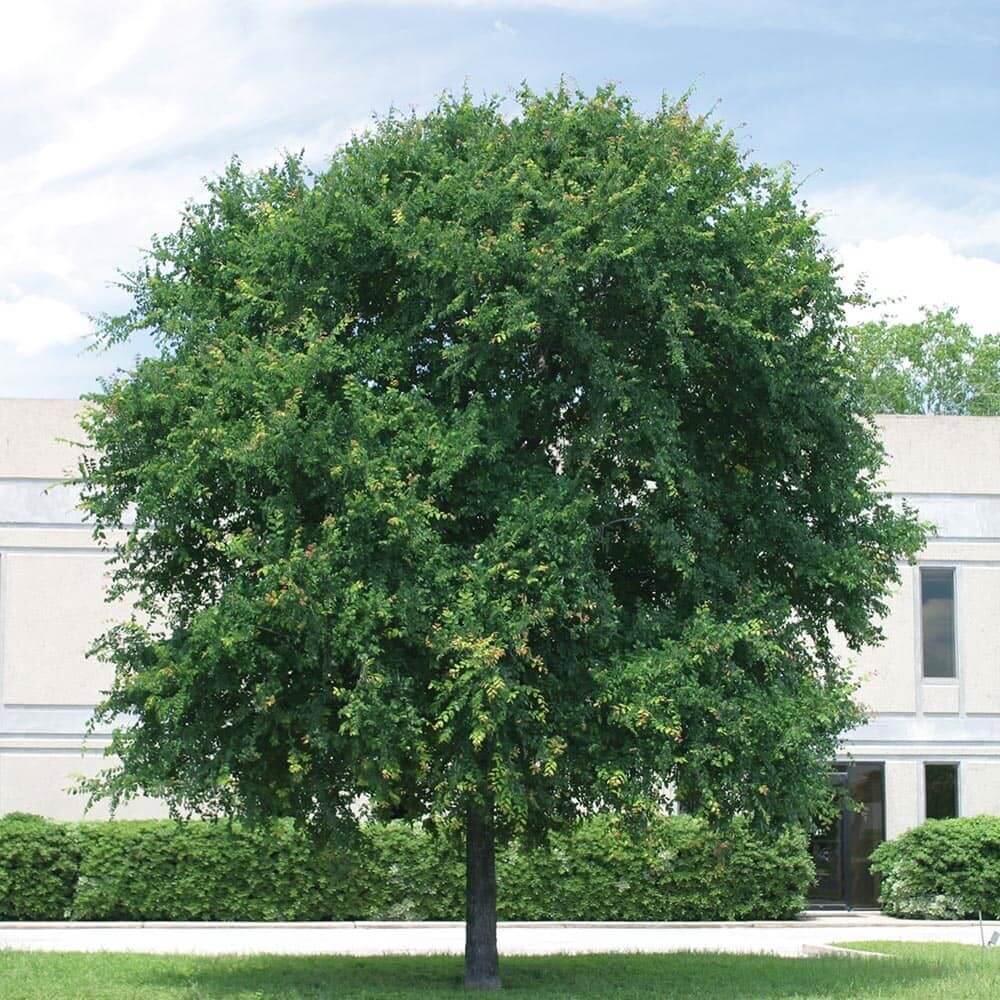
(927,972)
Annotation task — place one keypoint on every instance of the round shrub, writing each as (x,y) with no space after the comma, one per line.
(944,869)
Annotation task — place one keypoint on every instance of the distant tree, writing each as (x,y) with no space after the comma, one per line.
(935,365)
(504,471)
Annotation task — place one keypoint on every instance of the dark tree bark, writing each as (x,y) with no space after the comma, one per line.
(482,967)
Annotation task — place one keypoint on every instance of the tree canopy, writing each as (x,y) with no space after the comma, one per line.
(507,469)
(935,365)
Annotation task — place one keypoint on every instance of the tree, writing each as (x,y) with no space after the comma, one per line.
(505,471)
(936,365)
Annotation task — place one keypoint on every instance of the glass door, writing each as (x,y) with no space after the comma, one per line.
(842,851)
(828,852)
(864,831)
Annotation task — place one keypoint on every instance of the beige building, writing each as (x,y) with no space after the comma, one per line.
(932,745)
(52,578)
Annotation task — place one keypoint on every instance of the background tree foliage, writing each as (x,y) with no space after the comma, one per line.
(936,365)
(507,468)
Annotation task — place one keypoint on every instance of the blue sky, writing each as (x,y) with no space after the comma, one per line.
(111,113)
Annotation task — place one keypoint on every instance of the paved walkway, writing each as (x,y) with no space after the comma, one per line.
(793,938)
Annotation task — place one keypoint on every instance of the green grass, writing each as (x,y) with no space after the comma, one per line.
(927,972)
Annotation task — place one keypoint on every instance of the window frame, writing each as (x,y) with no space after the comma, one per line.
(955,767)
(952,571)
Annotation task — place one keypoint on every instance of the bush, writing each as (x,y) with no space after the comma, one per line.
(38,868)
(402,872)
(679,869)
(945,869)
(158,870)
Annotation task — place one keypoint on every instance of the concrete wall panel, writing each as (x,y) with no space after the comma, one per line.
(903,797)
(887,673)
(940,699)
(40,783)
(51,609)
(941,454)
(34,435)
(979,787)
(978,636)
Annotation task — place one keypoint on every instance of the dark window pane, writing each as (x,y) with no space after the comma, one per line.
(937,611)
(866,831)
(941,789)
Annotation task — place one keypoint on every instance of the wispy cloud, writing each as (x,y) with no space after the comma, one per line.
(112,113)
(647,7)
(915,21)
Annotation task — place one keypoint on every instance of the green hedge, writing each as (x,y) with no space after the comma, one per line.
(160,870)
(945,869)
(679,870)
(39,865)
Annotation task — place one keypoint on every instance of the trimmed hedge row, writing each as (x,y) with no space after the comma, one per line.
(39,868)
(944,869)
(161,870)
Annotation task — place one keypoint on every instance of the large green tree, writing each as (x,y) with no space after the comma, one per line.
(506,470)
(934,365)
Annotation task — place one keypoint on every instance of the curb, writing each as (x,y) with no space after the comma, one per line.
(383,925)
(829,950)
(840,923)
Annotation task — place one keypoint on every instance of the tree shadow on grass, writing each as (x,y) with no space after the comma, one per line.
(684,976)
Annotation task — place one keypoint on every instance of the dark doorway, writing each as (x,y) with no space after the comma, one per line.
(841,852)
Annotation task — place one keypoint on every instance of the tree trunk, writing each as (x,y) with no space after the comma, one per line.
(482,967)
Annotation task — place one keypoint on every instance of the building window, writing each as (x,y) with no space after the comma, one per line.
(941,790)
(937,618)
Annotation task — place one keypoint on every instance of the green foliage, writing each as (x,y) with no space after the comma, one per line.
(944,869)
(403,872)
(158,870)
(38,868)
(678,869)
(510,460)
(936,365)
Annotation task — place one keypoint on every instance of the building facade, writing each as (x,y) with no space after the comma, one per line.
(931,747)
(52,580)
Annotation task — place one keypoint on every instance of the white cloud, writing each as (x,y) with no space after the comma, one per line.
(963,212)
(33,323)
(933,242)
(924,270)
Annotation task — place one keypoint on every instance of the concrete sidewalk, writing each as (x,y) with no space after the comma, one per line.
(791,938)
